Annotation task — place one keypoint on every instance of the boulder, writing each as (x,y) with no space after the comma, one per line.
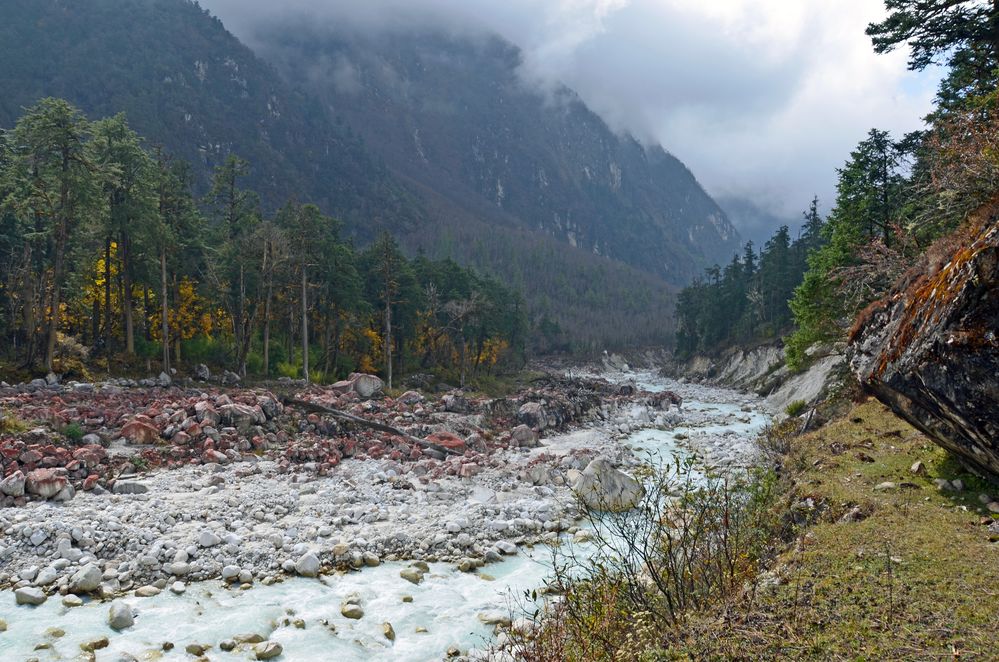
(455,403)
(308,565)
(448,440)
(129,487)
(139,431)
(86,579)
(602,487)
(533,415)
(202,372)
(120,616)
(13,485)
(29,595)
(366,386)
(524,436)
(267,650)
(46,483)
(930,349)
(351,610)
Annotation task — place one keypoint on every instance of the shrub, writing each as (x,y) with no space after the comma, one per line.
(689,544)
(796,408)
(73,432)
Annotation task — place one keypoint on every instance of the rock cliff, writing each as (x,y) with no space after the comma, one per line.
(930,350)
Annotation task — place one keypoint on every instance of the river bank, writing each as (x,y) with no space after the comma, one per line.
(220,540)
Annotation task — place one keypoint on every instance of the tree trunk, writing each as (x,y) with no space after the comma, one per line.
(108,319)
(305,326)
(267,310)
(57,269)
(388,342)
(126,295)
(165,314)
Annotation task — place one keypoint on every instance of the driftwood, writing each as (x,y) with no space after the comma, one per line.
(363,422)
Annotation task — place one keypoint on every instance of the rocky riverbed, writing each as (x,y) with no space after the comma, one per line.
(276,539)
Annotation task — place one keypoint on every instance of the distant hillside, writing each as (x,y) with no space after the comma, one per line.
(453,116)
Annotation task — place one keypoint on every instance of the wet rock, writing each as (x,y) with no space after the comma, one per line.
(267,650)
(930,349)
(412,574)
(97,644)
(120,616)
(29,596)
(71,601)
(602,487)
(195,649)
(351,610)
(388,631)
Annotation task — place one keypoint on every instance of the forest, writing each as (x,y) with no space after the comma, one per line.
(109,261)
(895,196)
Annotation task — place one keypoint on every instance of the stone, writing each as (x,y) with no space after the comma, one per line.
(71,601)
(86,580)
(918,468)
(164,380)
(351,610)
(147,592)
(930,349)
(249,638)
(202,372)
(448,440)
(411,574)
(45,483)
(195,649)
(13,485)
(208,539)
(524,436)
(308,565)
(388,631)
(227,645)
(602,487)
(178,588)
(140,432)
(267,650)
(129,487)
(97,644)
(366,386)
(230,573)
(30,595)
(533,415)
(885,486)
(455,403)
(120,616)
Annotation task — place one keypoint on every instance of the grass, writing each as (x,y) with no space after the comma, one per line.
(914,578)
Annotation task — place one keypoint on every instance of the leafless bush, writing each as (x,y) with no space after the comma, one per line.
(691,542)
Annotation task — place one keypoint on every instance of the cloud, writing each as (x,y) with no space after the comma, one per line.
(763,99)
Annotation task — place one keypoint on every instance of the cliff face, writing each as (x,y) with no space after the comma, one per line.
(930,351)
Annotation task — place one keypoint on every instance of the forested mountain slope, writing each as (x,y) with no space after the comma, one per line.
(457,157)
(453,115)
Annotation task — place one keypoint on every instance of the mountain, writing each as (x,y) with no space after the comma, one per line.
(434,138)
(453,116)
(186,83)
(754,222)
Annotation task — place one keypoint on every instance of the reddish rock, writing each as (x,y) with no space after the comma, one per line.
(215,456)
(138,431)
(45,483)
(448,440)
(30,457)
(90,481)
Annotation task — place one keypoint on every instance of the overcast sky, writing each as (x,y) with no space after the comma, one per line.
(762,99)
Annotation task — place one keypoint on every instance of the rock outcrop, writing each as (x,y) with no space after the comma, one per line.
(930,350)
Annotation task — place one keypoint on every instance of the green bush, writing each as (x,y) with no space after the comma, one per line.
(73,431)
(796,408)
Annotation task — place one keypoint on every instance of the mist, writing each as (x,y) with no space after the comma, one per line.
(763,99)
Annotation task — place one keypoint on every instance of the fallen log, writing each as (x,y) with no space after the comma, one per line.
(312,407)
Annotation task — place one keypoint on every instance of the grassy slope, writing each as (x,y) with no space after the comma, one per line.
(917,578)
